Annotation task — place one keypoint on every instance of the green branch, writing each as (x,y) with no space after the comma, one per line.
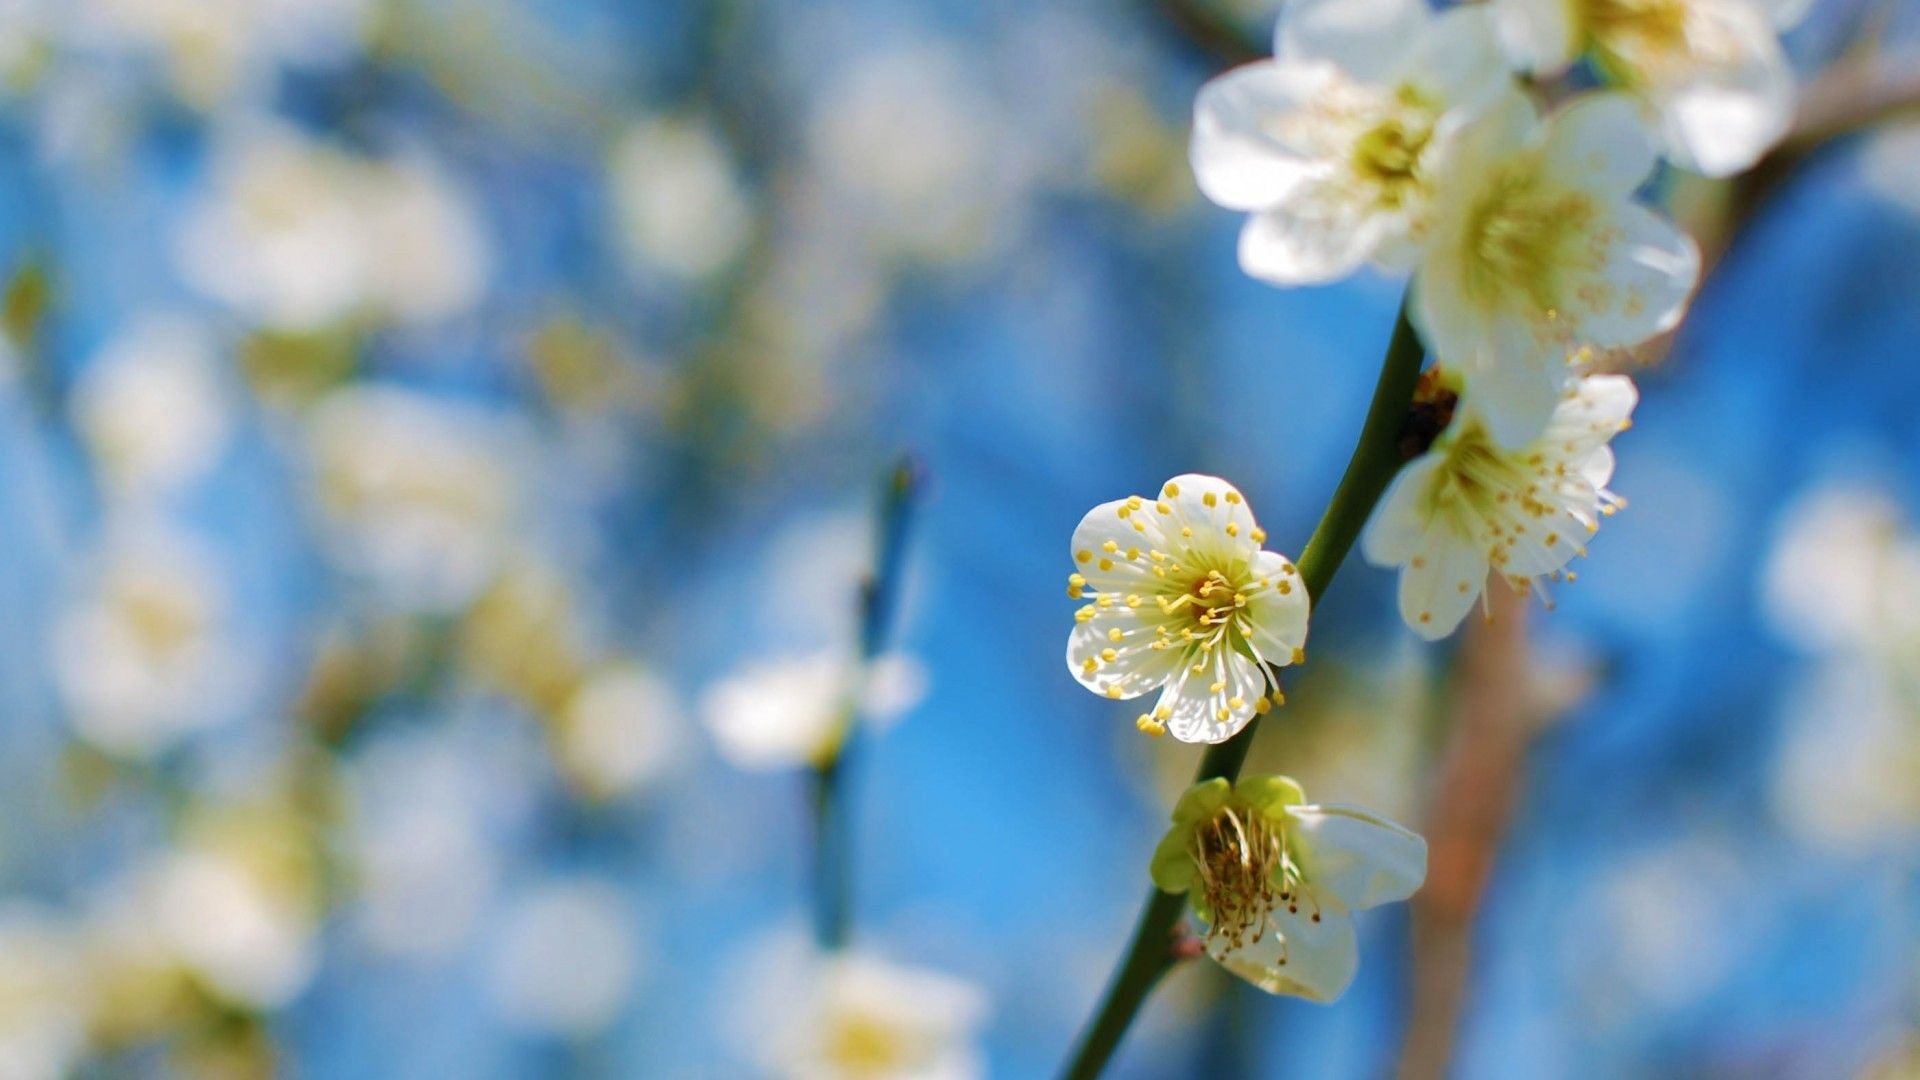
(1375,461)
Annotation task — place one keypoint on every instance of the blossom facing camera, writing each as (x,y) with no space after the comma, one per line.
(1277,879)
(1333,146)
(1182,599)
(1710,76)
(1467,506)
(1539,252)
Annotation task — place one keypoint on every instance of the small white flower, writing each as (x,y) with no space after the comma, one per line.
(1710,75)
(1538,251)
(1468,505)
(153,407)
(567,959)
(619,732)
(678,197)
(783,713)
(1277,879)
(1334,145)
(1181,599)
(857,1016)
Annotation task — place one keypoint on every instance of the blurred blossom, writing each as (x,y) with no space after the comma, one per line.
(915,156)
(153,406)
(1830,579)
(146,657)
(1849,752)
(619,733)
(522,636)
(1666,938)
(424,864)
(568,957)
(420,491)
(856,1016)
(43,994)
(213,50)
(1890,163)
(787,712)
(681,207)
(297,235)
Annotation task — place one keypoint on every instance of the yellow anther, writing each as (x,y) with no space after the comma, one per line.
(1114,692)
(1076,580)
(1163,507)
(1299,656)
(1222,715)
(1083,556)
(1163,712)
(1172,489)
(1216,688)
(1185,531)
(1110,547)
(1209,499)
(1233,497)
(1258,535)
(1232,529)
(1150,726)
(1263,705)
(1090,665)
(1109,655)
(1134,502)
(1106,564)
(1116,634)
(1236,703)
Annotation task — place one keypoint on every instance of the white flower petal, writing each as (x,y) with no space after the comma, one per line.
(1441,581)
(1783,14)
(1541,36)
(1722,121)
(1319,234)
(1515,401)
(1112,570)
(1297,956)
(1399,524)
(1363,38)
(1361,858)
(1642,286)
(1457,61)
(1599,143)
(1592,412)
(1237,160)
(1197,709)
(1279,617)
(1137,668)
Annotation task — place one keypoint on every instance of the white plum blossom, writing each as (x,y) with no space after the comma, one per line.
(1334,146)
(1277,879)
(153,405)
(567,959)
(1709,76)
(619,732)
(1468,505)
(1538,253)
(859,1016)
(679,200)
(1182,599)
(793,711)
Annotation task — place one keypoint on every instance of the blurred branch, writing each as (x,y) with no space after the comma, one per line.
(1376,458)
(1210,31)
(879,603)
(1494,720)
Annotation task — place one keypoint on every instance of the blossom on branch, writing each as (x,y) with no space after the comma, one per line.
(1277,879)
(1182,599)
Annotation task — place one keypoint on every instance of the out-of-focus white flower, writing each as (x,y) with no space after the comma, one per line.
(568,956)
(620,731)
(216,50)
(420,490)
(1538,251)
(680,203)
(299,235)
(231,929)
(1710,76)
(1334,146)
(858,1016)
(146,657)
(152,405)
(1278,880)
(1830,580)
(1467,505)
(914,156)
(1850,745)
(1182,599)
(424,865)
(43,995)
(777,714)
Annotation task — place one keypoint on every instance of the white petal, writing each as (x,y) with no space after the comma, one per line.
(1642,285)
(1196,707)
(1279,618)
(1206,505)
(1112,571)
(1441,581)
(1600,143)
(1552,540)
(1237,160)
(1364,38)
(1783,14)
(1592,413)
(1722,121)
(1318,234)
(1541,36)
(1399,523)
(1136,668)
(1361,858)
(1297,956)
(1514,400)
(1457,61)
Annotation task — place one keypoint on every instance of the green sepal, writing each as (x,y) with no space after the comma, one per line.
(1270,795)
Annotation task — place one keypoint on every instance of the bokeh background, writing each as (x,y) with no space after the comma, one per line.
(424,423)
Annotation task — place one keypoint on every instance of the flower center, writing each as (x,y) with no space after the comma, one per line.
(1388,154)
(1522,237)
(1246,874)
(1632,35)
(866,1045)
